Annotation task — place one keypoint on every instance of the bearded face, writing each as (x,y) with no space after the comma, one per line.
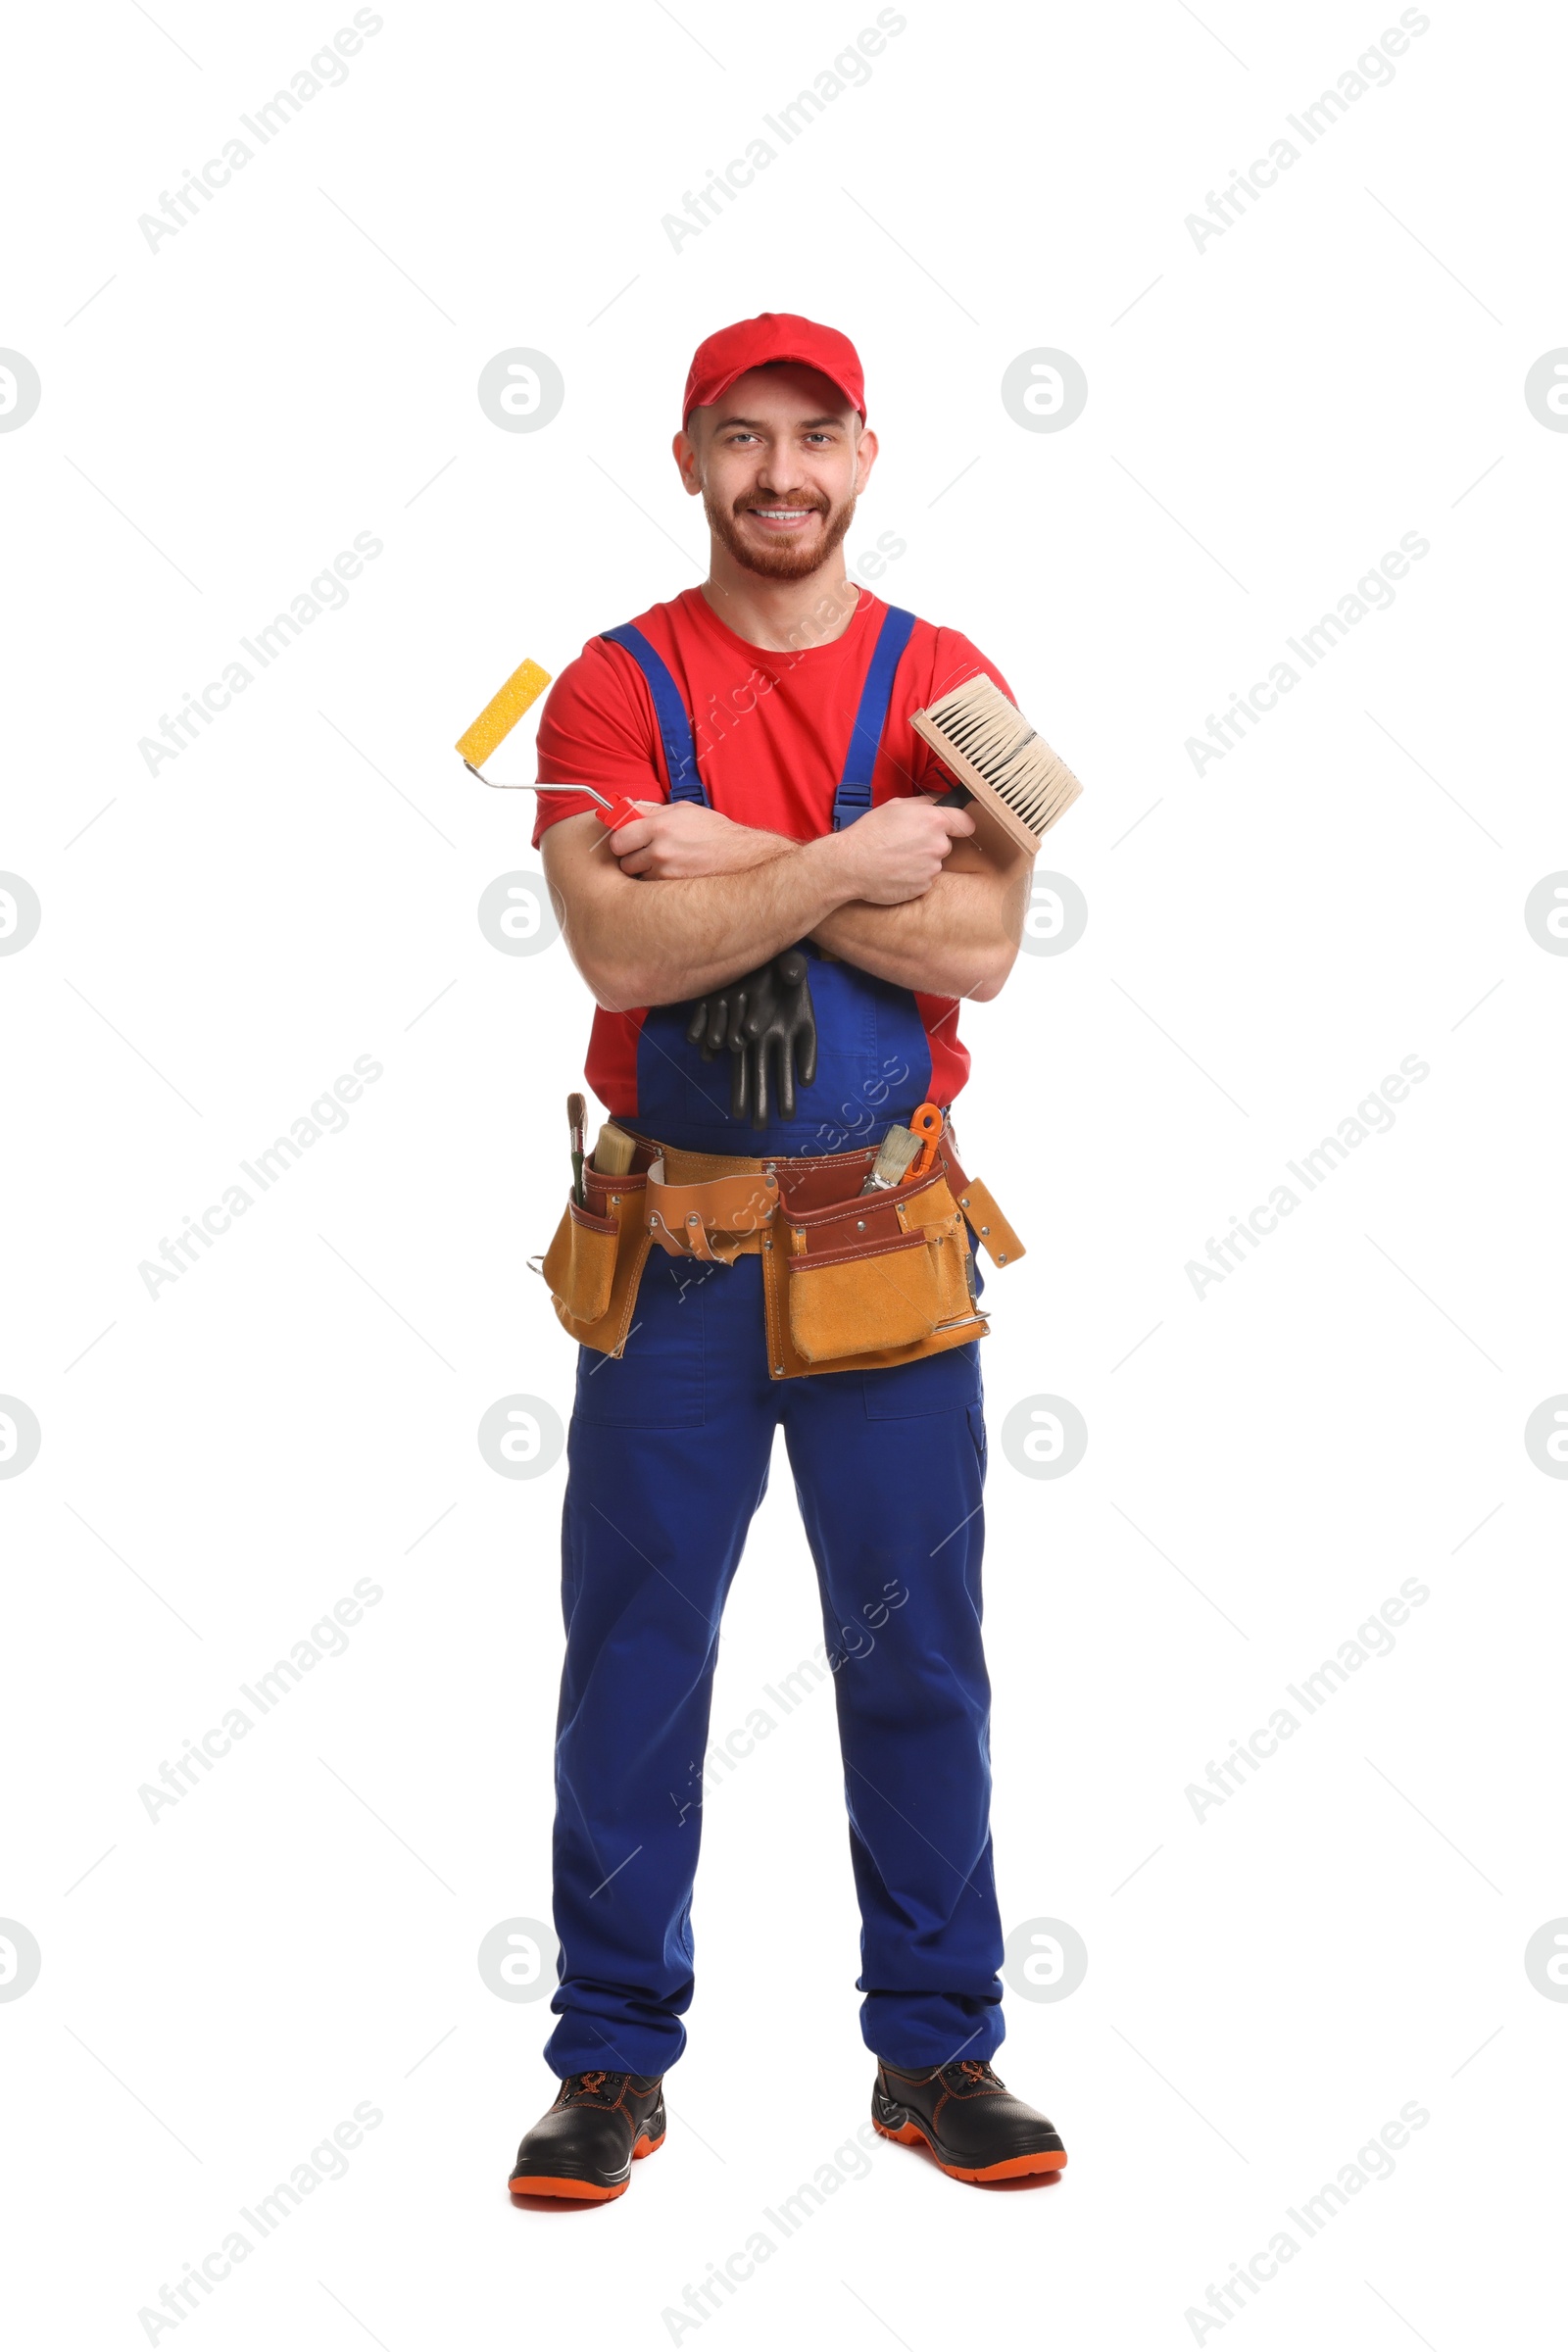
(780,534)
(780,460)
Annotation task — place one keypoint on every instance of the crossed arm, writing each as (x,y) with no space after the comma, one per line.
(900,892)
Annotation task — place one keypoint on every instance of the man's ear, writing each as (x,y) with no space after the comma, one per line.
(684,448)
(864,459)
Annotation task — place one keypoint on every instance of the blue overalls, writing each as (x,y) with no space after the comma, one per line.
(873,1059)
(669,1452)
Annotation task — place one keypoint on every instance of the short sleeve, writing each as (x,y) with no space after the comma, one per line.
(597,728)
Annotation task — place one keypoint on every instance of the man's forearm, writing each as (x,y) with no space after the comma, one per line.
(959,940)
(689,900)
(675,939)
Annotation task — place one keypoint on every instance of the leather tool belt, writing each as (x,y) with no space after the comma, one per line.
(850,1280)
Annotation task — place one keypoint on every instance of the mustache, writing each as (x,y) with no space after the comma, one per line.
(752,498)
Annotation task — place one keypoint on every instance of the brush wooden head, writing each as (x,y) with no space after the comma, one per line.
(1018,784)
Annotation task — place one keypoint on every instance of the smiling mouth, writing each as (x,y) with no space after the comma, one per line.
(781,519)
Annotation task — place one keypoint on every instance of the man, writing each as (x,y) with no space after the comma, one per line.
(792,864)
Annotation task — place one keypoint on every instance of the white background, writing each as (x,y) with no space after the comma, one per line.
(220,940)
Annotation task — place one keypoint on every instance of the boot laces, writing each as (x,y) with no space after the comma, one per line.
(595,2084)
(968,2074)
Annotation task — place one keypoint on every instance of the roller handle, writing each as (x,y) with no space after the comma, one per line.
(624,811)
(613,814)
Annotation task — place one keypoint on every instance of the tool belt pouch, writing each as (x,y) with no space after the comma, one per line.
(715,1220)
(592,1265)
(878,1272)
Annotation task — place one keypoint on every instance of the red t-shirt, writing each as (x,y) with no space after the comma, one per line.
(773,733)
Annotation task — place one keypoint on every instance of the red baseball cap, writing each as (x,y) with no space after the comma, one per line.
(764,341)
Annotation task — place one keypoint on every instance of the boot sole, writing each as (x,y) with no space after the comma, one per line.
(1012,2167)
(553,2184)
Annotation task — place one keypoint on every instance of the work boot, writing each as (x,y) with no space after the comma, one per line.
(584,2144)
(970,2119)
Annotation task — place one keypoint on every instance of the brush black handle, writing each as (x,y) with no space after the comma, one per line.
(959,798)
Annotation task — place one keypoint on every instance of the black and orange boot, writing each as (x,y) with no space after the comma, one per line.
(584,2146)
(970,2119)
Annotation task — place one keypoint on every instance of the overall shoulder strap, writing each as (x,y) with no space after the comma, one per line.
(674,720)
(854,796)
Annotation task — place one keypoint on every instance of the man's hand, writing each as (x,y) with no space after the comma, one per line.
(679,839)
(895,852)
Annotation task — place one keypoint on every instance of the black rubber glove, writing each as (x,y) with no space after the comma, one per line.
(766,1022)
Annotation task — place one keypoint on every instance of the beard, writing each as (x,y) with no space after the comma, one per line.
(783,560)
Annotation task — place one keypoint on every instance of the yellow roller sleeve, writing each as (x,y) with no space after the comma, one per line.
(497,720)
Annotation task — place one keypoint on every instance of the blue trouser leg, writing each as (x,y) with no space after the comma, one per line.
(669,1452)
(668,1457)
(889,1467)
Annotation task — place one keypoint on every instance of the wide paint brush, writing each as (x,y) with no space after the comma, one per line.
(1010,779)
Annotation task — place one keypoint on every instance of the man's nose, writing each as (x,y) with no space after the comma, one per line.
(777,477)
